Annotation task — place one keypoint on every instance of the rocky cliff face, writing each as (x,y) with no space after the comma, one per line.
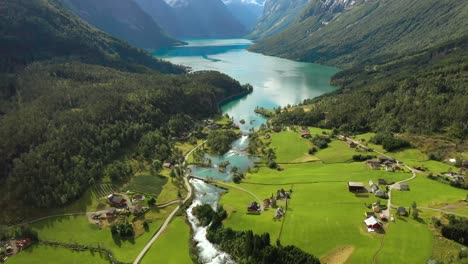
(277,16)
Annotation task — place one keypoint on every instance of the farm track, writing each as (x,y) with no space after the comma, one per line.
(169,218)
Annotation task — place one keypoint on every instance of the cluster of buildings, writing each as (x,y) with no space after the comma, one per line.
(453,177)
(120,205)
(12,247)
(389,164)
(254,208)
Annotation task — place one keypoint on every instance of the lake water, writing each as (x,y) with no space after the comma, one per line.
(276,81)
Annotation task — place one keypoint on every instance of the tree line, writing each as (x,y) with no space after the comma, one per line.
(245,246)
(69,121)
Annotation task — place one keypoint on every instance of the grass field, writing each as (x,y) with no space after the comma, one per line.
(407,241)
(337,151)
(77,229)
(40,254)
(323,218)
(172,247)
(147,184)
(290,147)
(426,192)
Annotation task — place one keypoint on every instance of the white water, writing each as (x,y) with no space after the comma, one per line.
(207,252)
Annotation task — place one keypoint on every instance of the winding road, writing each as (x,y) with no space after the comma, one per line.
(169,218)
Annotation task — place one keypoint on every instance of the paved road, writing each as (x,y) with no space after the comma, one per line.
(390,187)
(169,218)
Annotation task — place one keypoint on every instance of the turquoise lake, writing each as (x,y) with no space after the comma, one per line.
(276,81)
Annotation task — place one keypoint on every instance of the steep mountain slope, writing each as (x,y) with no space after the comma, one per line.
(123,19)
(407,65)
(277,16)
(162,13)
(194,18)
(423,93)
(336,32)
(79,100)
(44,30)
(247,12)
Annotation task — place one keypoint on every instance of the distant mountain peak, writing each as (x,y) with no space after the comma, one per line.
(178,3)
(251,2)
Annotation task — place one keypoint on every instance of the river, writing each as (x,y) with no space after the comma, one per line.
(276,82)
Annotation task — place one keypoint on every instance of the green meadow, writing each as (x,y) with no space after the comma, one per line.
(39,254)
(172,247)
(77,229)
(290,147)
(325,219)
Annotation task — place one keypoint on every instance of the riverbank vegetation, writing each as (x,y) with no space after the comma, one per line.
(245,246)
(219,141)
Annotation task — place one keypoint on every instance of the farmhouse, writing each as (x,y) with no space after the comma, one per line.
(282,194)
(279,213)
(305,134)
(351,143)
(356,187)
(372,224)
(386,160)
(373,164)
(111,212)
(376,208)
(137,209)
(138,198)
(401,187)
(381,194)
(401,211)
(253,207)
(116,200)
(382,182)
(389,168)
(369,214)
(383,217)
(374,188)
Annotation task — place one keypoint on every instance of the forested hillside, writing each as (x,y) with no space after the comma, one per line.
(75,100)
(122,19)
(406,64)
(74,118)
(424,93)
(32,30)
(369,31)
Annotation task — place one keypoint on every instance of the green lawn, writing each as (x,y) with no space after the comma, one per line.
(77,229)
(40,254)
(172,247)
(290,147)
(338,151)
(426,192)
(322,214)
(323,217)
(407,241)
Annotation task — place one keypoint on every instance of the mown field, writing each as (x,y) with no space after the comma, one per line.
(325,219)
(77,229)
(40,254)
(172,247)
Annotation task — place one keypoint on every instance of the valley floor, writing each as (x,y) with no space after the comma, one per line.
(322,216)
